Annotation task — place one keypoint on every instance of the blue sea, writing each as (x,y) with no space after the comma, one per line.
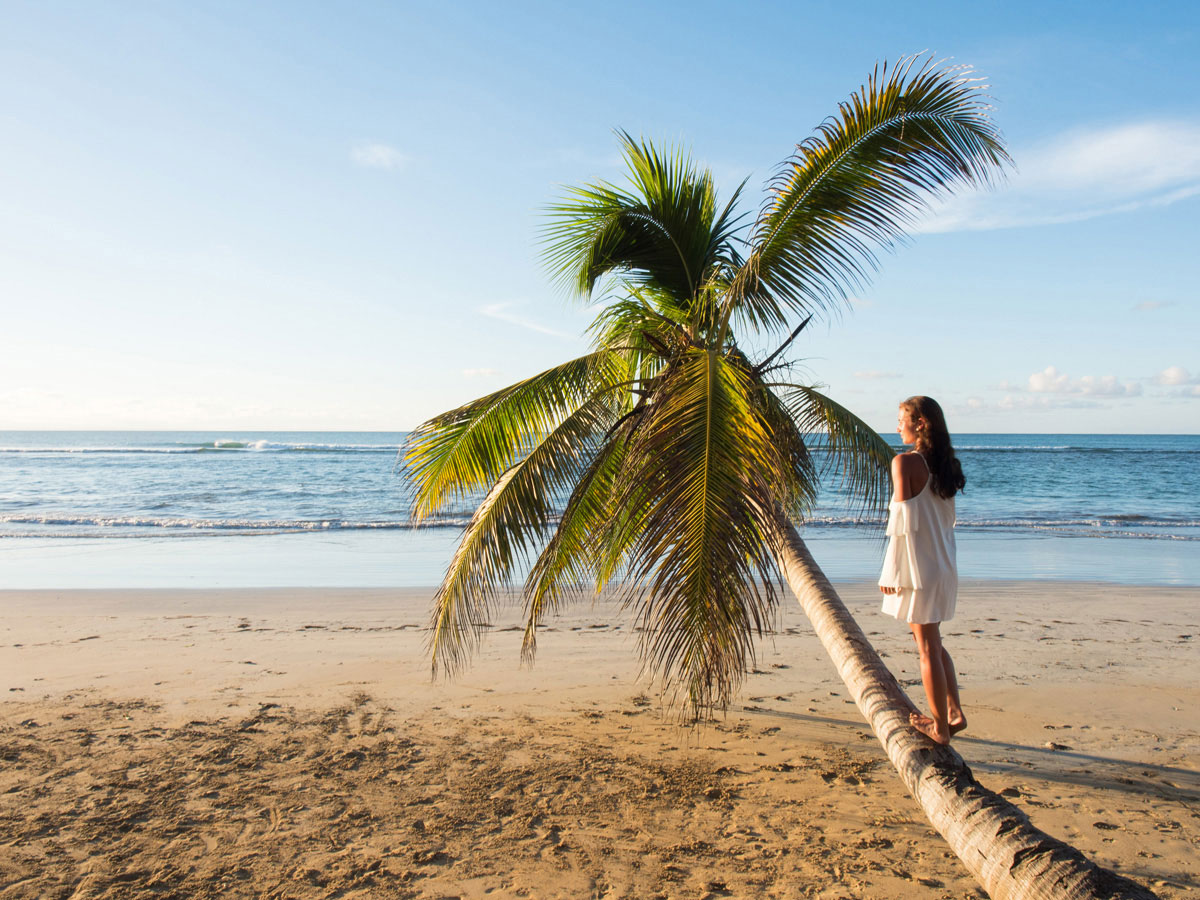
(198,509)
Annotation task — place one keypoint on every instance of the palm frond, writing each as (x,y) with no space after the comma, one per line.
(856,454)
(699,573)
(461,452)
(798,478)
(571,559)
(906,137)
(508,527)
(644,321)
(664,232)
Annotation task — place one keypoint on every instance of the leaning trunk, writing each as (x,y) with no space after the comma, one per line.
(995,840)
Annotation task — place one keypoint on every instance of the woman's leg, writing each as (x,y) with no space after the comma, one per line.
(933,676)
(954,710)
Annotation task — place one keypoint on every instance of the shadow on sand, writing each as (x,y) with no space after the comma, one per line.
(1171,783)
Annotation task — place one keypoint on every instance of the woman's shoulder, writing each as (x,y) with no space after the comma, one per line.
(909,461)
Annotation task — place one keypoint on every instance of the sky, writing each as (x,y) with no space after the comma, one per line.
(236,217)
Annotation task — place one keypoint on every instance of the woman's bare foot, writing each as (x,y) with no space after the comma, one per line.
(928,727)
(956,725)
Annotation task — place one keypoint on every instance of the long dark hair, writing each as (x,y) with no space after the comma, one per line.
(933,443)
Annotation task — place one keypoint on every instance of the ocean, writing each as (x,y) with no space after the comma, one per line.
(178,509)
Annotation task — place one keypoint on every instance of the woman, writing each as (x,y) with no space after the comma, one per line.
(920,575)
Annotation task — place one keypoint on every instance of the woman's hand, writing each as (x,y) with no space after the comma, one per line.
(889,590)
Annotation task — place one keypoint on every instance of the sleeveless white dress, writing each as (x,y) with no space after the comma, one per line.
(920,558)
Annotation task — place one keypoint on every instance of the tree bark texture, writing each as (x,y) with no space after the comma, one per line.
(1011,859)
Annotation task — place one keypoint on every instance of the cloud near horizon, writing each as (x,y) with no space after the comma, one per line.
(1051,381)
(1176,375)
(1009,402)
(1183,382)
(1084,174)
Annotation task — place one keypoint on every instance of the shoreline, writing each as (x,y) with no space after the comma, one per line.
(295,737)
(332,560)
(406,592)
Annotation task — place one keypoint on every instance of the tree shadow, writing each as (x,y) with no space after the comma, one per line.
(1172,783)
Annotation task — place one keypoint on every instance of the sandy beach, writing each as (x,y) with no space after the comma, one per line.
(278,743)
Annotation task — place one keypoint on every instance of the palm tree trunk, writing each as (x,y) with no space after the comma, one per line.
(1010,858)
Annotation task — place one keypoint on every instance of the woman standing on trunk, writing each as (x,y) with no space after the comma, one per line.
(920,574)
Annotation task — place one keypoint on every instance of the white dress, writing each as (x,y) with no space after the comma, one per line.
(920,558)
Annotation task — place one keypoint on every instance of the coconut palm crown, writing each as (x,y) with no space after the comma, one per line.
(653,463)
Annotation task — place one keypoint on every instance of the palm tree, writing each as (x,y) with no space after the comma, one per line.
(669,465)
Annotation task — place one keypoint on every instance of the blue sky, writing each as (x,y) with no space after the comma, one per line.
(233,217)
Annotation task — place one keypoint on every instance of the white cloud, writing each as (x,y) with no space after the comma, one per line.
(1008,401)
(1176,375)
(1151,305)
(374,155)
(873,374)
(1051,381)
(1082,175)
(502,312)
(970,407)
(1049,391)
(1146,156)
(977,406)
(480,373)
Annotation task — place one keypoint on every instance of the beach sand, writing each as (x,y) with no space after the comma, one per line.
(290,743)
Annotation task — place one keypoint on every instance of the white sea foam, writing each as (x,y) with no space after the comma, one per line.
(44,450)
(93,525)
(224,446)
(224,525)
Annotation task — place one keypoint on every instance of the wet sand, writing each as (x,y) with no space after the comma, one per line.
(290,743)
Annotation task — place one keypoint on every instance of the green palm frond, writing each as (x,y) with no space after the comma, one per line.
(906,137)
(798,478)
(569,564)
(508,527)
(665,231)
(699,573)
(465,450)
(644,322)
(857,455)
